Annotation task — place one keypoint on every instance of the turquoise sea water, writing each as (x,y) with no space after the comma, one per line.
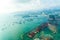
(13,27)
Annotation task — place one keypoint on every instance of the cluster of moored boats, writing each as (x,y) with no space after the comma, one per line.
(37,30)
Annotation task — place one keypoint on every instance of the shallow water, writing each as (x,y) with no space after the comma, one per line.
(13,27)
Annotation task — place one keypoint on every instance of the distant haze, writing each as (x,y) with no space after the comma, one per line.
(9,6)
